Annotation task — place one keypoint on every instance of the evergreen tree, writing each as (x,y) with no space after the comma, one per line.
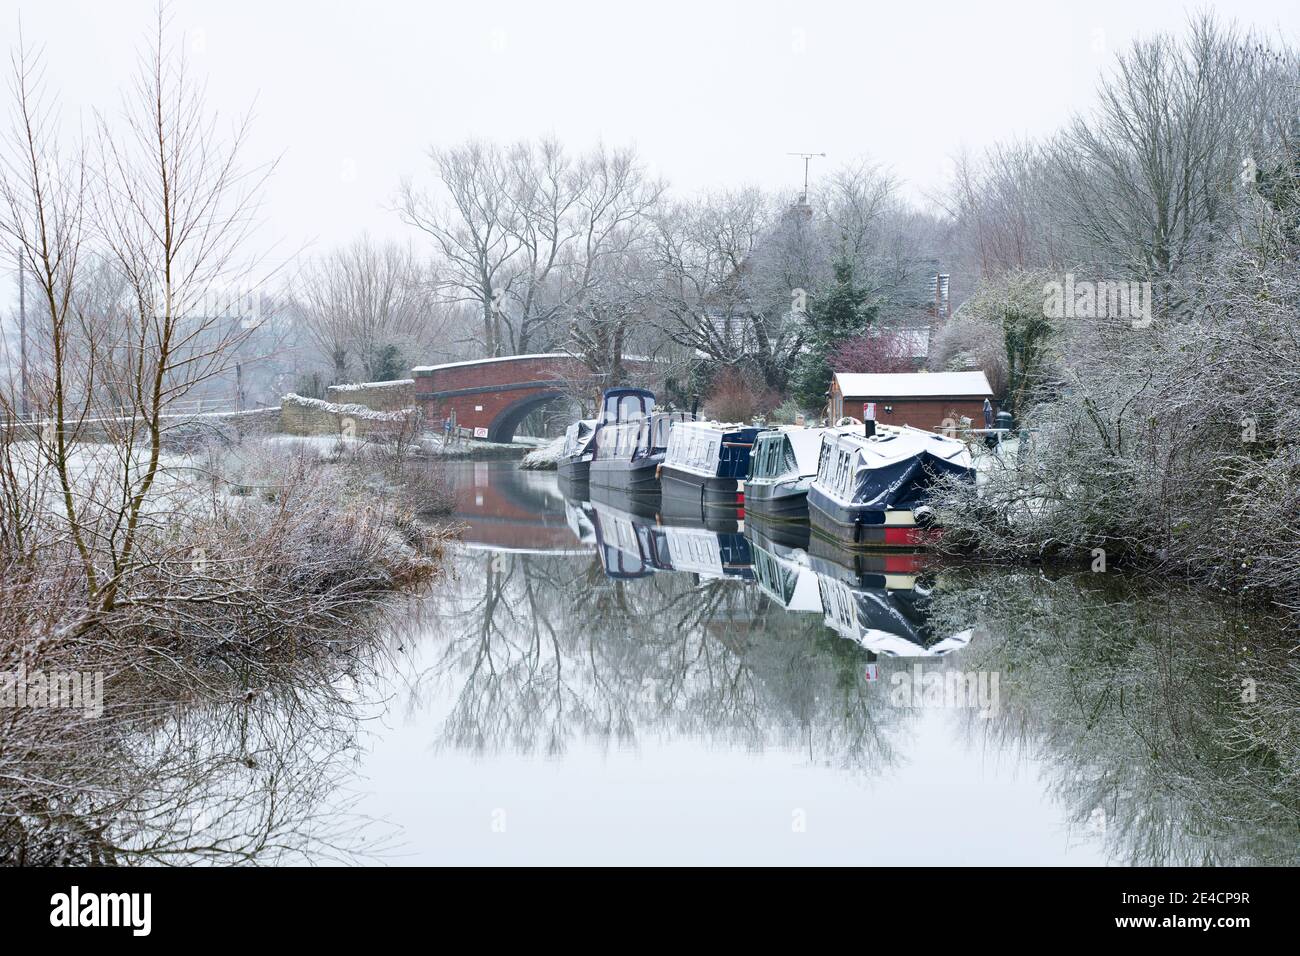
(840,313)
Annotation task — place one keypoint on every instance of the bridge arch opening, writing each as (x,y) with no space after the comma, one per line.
(508,419)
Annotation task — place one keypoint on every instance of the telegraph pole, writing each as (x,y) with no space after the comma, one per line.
(807,158)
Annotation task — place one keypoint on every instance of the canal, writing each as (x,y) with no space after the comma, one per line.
(596,685)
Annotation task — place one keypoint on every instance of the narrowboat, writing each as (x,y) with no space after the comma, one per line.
(575,460)
(872,484)
(707,462)
(781,467)
(630,442)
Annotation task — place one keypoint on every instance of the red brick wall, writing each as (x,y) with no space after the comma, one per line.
(478,410)
(472,411)
(494,373)
(928,413)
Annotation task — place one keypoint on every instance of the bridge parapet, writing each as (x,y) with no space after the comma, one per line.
(492,396)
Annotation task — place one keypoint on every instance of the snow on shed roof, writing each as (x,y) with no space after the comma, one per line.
(913,384)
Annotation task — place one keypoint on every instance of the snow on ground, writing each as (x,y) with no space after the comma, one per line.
(330,447)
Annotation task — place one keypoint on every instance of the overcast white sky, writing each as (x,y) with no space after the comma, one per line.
(350,94)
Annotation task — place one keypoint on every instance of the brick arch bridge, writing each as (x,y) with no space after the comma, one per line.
(492,396)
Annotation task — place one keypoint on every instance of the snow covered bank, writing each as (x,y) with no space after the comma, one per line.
(545,458)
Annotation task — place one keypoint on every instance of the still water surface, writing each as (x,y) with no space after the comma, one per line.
(594,686)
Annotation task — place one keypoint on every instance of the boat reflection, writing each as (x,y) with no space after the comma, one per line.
(635,538)
(534,654)
(878,601)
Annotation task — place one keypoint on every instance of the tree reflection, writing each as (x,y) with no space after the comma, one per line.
(1170,720)
(1131,697)
(230,761)
(544,649)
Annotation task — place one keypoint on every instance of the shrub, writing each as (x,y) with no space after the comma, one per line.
(735,396)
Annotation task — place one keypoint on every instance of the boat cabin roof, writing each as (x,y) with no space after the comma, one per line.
(714,428)
(578,435)
(805,442)
(895,443)
(624,404)
(706,447)
(581,428)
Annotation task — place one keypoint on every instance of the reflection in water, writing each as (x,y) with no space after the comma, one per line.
(1169,718)
(543,648)
(1149,725)
(1126,701)
(230,761)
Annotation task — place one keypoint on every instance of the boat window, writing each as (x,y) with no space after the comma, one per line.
(759,459)
(839,604)
(631,406)
(772,456)
(843,472)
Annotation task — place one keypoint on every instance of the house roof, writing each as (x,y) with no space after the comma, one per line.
(913,385)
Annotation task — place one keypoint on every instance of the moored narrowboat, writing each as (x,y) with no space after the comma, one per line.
(630,441)
(707,462)
(782,465)
(872,486)
(574,464)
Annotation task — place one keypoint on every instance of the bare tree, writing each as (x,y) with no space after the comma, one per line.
(1001,206)
(168,206)
(369,307)
(527,231)
(44,189)
(1145,180)
(474,228)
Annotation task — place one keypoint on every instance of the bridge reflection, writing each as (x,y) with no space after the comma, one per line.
(506,508)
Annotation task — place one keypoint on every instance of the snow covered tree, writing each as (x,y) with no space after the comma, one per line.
(841,313)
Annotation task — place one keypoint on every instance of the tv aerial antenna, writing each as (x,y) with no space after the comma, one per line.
(807,158)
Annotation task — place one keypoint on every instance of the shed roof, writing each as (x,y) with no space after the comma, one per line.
(913,385)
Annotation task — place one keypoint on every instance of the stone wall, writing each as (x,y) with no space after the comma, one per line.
(312,416)
(179,429)
(394,396)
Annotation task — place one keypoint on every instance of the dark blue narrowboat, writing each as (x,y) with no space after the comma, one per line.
(872,485)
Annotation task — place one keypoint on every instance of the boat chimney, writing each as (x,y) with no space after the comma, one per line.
(869,418)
